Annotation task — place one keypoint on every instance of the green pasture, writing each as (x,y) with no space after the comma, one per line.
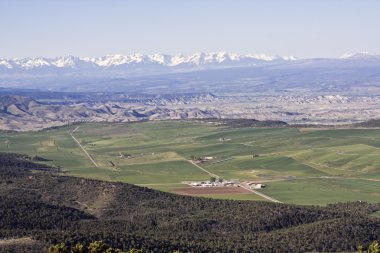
(376,214)
(304,159)
(323,191)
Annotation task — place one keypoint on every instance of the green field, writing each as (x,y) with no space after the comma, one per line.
(302,166)
(376,214)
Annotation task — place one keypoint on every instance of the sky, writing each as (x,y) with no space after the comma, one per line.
(301,28)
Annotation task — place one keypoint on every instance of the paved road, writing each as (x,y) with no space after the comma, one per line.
(241,185)
(80,145)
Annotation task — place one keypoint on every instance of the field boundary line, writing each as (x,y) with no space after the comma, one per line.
(83,149)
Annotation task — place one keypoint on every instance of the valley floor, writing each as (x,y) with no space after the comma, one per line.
(317,166)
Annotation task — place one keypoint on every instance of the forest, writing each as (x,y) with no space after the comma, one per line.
(40,203)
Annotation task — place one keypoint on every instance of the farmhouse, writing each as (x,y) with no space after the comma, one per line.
(256,186)
(202,159)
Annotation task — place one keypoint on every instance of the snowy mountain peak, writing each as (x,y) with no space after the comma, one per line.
(161,58)
(115,60)
(361,55)
(62,62)
(4,63)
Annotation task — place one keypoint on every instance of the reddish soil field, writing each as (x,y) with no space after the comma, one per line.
(211,190)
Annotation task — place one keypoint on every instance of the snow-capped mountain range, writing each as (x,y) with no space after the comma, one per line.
(163,60)
(195,60)
(155,63)
(212,72)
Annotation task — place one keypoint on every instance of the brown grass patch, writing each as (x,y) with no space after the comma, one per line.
(16,241)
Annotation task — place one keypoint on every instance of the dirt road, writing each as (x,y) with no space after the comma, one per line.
(80,145)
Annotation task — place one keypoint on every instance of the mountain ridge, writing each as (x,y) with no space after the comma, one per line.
(115,60)
(159,59)
(18,113)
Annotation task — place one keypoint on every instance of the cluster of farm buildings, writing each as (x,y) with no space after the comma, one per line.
(226,183)
(220,182)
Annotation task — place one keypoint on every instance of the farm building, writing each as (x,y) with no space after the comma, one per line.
(223,183)
(256,186)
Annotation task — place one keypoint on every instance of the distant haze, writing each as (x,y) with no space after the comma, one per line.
(305,29)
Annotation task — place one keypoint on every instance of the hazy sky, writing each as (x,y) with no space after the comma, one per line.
(304,28)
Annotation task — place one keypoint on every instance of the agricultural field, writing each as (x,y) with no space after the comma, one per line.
(300,166)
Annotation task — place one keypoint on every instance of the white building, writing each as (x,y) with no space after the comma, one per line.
(256,186)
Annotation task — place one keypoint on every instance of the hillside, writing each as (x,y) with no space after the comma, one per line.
(34,109)
(20,113)
(373,123)
(48,208)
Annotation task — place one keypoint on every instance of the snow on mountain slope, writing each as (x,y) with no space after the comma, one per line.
(62,62)
(5,64)
(109,61)
(197,60)
(361,55)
